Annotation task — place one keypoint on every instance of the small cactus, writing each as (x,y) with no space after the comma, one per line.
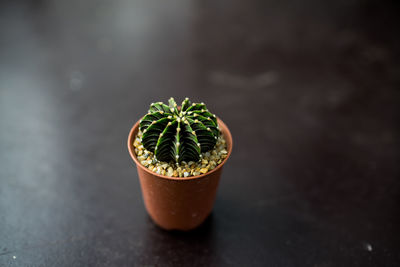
(179,134)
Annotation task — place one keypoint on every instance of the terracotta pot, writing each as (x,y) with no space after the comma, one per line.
(179,203)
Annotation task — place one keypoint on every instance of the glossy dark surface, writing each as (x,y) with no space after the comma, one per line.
(310,91)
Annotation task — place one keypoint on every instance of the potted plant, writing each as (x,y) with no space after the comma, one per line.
(179,153)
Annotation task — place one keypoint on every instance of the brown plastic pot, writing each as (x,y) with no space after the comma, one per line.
(179,203)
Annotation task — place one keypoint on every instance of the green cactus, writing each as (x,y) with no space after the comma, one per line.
(179,134)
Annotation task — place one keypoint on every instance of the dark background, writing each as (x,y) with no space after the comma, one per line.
(309,89)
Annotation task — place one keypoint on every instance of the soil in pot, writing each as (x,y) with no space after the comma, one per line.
(209,160)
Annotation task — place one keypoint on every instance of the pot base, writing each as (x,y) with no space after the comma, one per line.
(175,205)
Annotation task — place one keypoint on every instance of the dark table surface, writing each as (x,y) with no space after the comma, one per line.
(310,91)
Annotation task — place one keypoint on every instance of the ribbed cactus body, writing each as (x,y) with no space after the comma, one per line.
(174,134)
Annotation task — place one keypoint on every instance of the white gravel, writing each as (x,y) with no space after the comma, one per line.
(208,161)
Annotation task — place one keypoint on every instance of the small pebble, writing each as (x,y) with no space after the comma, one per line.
(203,170)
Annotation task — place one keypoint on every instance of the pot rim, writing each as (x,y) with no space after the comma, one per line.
(225,131)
